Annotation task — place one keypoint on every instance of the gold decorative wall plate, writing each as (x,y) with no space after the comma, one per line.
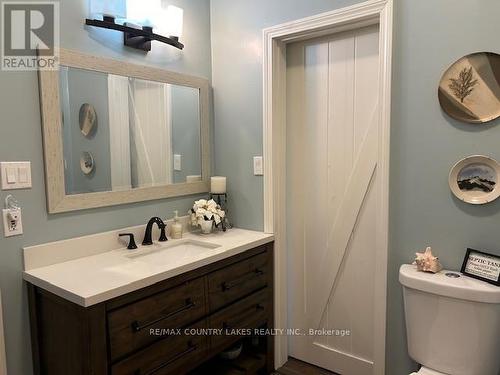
(469,90)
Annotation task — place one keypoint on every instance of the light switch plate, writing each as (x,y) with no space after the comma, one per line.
(23,176)
(11,174)
(12,227)
(15,175)
(177,162)
(258,167)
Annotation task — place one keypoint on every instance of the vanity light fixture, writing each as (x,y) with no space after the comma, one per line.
(140,37)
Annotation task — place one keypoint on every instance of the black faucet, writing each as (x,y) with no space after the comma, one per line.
(149,229)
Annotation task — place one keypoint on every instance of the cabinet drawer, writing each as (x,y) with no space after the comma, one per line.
(248,313)
(238,280)
(129,327)
(173,355)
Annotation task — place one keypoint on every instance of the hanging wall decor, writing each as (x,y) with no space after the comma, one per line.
(87,163)
(469,90)
(475,179)
(87,119)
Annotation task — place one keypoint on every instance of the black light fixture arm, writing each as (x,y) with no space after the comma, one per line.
(134,37)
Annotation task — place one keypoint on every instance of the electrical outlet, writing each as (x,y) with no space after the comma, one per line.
(12,222)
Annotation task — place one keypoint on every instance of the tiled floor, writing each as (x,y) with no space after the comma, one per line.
(296,367)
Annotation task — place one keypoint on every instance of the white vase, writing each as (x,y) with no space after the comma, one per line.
(206,226)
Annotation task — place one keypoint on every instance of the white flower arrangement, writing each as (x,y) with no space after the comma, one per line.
(206,210)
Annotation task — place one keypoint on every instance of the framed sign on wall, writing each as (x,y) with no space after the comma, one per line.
(482,266)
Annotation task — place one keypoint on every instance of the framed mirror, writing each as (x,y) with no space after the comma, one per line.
(152,140)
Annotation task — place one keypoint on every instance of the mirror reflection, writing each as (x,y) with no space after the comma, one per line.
(87,119)
(148,133)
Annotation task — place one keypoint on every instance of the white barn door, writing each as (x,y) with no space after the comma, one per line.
(333,195)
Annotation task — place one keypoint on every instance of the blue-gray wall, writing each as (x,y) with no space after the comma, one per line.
(426,143)
(429,35)
(20,139)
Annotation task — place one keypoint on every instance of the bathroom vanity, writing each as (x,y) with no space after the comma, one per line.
(167,307)
(127,312)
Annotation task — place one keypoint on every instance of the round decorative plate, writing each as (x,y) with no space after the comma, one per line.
(87,119)
(469,90)
(475,179)
(87,163)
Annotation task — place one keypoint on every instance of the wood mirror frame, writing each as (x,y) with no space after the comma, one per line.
(57,199)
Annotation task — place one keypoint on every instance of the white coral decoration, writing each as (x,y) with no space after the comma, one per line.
(206,210)
(427,262)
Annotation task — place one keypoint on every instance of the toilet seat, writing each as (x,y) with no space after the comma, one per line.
(426,371)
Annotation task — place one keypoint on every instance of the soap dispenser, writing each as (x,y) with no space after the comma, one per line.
(176,229)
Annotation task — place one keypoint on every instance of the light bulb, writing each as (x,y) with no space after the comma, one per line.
(174,20)
(143,12)
(113,8)
(165,21)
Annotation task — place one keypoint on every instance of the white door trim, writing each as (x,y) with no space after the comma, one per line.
(275,40)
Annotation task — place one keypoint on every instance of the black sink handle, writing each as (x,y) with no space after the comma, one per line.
(131,243)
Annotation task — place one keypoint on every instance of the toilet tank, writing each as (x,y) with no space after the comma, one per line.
(452,323)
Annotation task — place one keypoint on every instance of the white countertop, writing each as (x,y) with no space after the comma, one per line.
(89,280)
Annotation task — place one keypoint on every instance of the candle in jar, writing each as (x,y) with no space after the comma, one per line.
(218,185)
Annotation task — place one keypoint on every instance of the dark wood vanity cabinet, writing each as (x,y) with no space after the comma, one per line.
(138,333)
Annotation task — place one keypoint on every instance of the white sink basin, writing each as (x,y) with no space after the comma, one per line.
(172,250)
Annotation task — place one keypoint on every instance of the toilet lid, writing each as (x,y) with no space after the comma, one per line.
(463,287)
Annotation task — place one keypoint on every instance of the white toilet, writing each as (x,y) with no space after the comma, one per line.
(452,322)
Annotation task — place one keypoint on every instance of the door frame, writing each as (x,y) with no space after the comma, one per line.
(275,40)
